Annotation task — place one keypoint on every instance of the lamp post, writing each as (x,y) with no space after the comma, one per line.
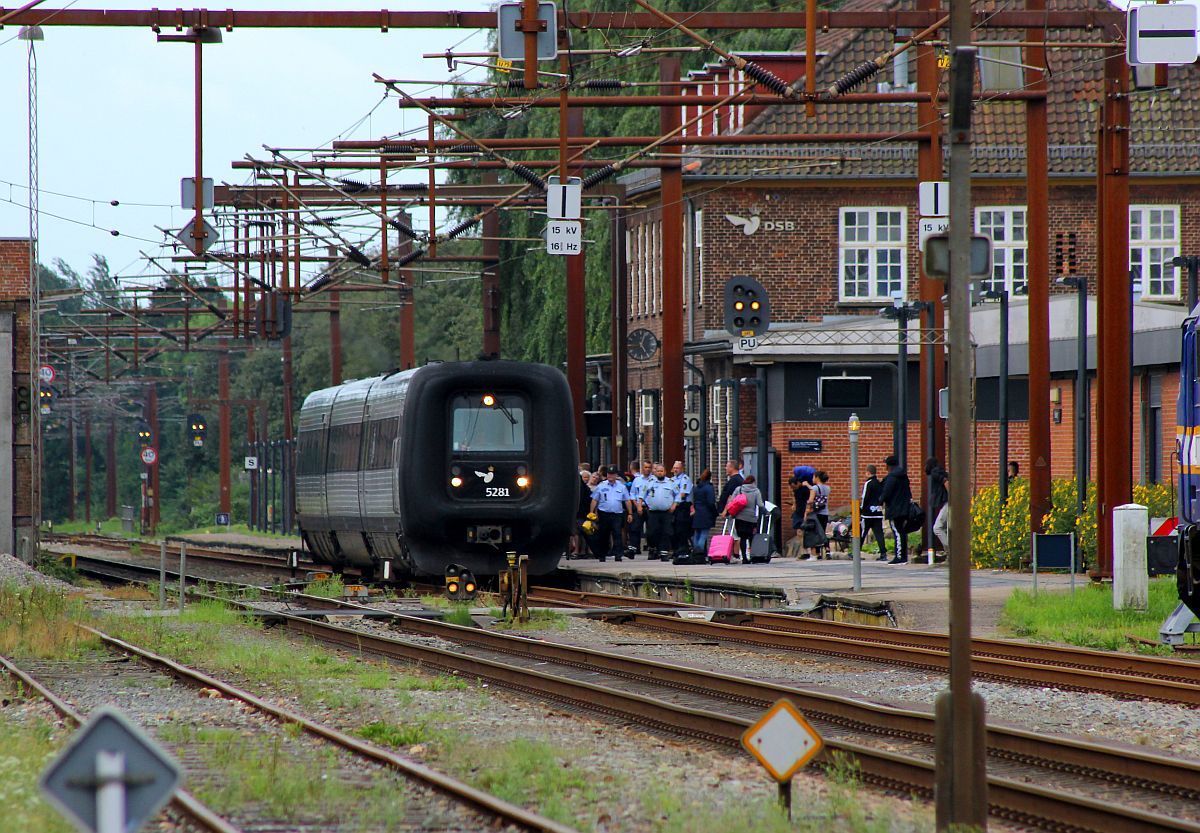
(903,312)
(1002,296)
(1082,397)
(1192,264)
(855,545)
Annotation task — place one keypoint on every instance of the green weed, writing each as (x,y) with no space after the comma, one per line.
(57,566)
(459,615)
(390,734)
(38,622)
(529,773)
(328,588)
(26,750)
(1087,618)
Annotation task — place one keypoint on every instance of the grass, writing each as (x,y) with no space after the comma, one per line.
(56,565)
(37,622)
(459,615)
(528,773)
(396,736)
(26,748)
(539,619)
(1087,618)
(110,527)
(327,588)
(289,781)
(212,635)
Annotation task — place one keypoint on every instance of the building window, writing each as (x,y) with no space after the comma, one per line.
(872,253)
(1153,242)
(1005,225)
(698,244)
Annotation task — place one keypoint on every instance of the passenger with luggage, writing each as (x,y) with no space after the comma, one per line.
(658,500)
(897,501)
(733,479)
(818,505)
(610,501)
(744,506)
(704,511)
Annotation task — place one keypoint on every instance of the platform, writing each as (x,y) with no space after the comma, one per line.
(918,592)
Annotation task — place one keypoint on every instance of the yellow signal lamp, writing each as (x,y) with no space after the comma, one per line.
(470,587)
(755,305)
(489,400)
(456,481)
(739,305)
(452,587)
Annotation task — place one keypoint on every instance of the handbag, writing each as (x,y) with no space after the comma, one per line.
(915,519)
(736,504)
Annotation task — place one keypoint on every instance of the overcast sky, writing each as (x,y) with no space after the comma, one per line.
(115,119)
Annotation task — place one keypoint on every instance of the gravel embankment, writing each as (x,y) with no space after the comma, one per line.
(13,569)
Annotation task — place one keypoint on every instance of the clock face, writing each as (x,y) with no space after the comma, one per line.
(641,344)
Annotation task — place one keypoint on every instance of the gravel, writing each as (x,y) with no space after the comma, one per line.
(15,570)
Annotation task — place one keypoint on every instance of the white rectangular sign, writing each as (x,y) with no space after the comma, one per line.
(929,226)
(251,463)
(691,425)
(933,198)
(564,202)
(564,237)
(1162,34)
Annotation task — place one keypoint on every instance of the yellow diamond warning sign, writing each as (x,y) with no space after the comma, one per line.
(782,740)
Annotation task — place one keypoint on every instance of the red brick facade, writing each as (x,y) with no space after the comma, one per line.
(25,511)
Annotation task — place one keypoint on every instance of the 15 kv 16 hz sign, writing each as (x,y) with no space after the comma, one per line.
(564,237)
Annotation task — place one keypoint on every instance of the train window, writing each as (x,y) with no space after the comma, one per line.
(480,427)
(343,446)
(308,453)
(377,450)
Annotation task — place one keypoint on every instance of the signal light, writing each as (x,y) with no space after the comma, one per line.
(742,292)
(523,481)
(460,584)
(456,481)
(488,400)
(143,432)
(198,428)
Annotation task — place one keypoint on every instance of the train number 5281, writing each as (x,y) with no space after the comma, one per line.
(497,491)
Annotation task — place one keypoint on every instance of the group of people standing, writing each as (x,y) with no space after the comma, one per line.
(890,499)
(670,513)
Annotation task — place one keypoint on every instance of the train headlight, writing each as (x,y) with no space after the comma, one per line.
(456,481)
(523,482)
(488,400)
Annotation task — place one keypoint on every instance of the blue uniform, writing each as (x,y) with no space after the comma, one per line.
(681,526)
(636,487)
(610,500)
(658,495)
(683,485)
(610,497)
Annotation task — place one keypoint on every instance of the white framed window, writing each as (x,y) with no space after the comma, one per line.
(643,271)
(871,253)
(656,259)
(1005,225)
(631,270)
(698,244)
(1153,242)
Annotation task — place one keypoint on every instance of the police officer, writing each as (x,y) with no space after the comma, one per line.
(637,528)
(658,501)
(682,531)
(611,501)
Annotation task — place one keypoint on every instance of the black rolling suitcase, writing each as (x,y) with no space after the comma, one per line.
(762,543)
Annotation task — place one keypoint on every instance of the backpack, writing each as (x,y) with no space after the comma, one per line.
(821,498)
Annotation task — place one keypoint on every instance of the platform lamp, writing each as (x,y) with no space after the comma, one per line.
(852,428)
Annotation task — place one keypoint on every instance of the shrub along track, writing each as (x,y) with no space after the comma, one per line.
(489,811)
(1024,663)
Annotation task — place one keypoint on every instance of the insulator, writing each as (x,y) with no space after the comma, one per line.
(408,258)
(765,77)
(599,175)
(353,185)
(854,77)
(529,176)
(357,256)
(402,227)
(391,147)
(603,84)
(455,231)
(411,186)
(466,149)
(518,84)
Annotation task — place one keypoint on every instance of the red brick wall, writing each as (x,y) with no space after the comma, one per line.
(14,269)
(14,298)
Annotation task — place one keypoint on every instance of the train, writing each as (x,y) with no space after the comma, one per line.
(448,465)
(1188,441)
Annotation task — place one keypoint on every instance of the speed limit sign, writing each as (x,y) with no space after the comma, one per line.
(691,425)
(149,456)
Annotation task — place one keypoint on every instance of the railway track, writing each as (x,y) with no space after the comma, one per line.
(1026,663)
(1035,779)
(241,558)
(493,810)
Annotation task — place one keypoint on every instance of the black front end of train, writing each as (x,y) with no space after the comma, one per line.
(488,466)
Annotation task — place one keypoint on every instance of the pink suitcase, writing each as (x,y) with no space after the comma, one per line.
(721,547)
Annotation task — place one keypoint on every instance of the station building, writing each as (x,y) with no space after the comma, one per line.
(832,231)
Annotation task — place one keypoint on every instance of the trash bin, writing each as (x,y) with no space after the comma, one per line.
(127,519)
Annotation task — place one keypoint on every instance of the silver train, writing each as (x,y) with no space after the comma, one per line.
(449,464)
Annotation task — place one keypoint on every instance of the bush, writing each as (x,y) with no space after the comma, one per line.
(1001,540)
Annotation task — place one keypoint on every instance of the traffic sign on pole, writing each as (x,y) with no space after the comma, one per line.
(564,237)
(782,741)
(691,425)
(564,201)
(112,778)
(933,198)
(149,455)
(46,373)
(1163,34)
(187,237)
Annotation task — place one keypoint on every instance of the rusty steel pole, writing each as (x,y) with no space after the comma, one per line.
(933,354)
(198,222)
(490,289)
(672,285)
(87,467)
(619,374)
(1037,232)
(335,337)
(223,425)
(1114,300)
(408,348)
(156,441)
(570,122)
(110,470)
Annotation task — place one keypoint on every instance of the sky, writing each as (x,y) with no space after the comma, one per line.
(115,114)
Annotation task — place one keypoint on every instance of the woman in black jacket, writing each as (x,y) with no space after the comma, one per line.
(704,510)
(896,498)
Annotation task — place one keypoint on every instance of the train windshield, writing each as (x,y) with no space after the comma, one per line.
(487,422)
